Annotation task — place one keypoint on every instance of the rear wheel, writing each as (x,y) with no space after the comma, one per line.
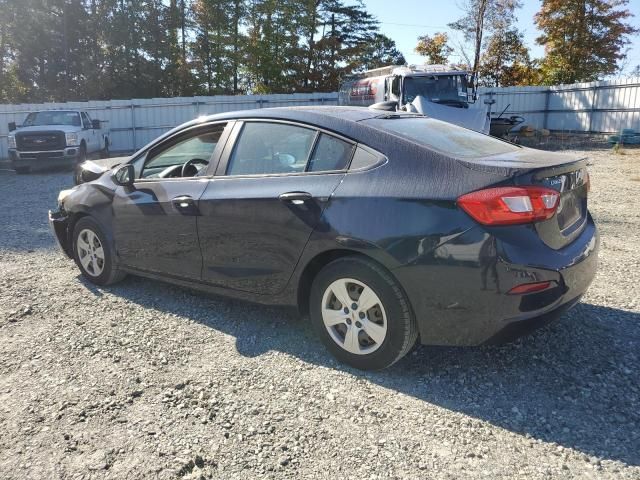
(361,314)
(92,253)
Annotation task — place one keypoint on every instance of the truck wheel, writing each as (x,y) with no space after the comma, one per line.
(22,170)
(104,153)
(82,154)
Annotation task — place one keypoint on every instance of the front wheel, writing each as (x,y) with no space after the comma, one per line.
(361,314)
(92,253)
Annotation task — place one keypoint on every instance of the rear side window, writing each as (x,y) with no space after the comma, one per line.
(271,148)
(445,137)
(330,154)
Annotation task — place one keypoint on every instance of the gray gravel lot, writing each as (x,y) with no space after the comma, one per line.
(147,380)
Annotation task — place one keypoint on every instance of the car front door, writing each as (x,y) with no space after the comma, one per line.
(258,212)
(155,220)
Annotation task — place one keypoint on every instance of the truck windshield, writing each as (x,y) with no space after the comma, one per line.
(52,118)
(446,89)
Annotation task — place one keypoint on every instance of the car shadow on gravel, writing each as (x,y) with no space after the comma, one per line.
(575,383)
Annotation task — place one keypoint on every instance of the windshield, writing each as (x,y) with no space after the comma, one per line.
(436,88)
(52,118)
(445,137)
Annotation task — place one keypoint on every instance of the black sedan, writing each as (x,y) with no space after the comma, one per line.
(383,227)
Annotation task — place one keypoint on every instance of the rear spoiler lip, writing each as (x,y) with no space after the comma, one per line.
(527,160)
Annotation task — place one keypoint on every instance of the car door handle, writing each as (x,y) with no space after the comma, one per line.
(183,202)
(296,198)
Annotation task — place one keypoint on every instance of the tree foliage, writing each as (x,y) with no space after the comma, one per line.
(583,39)
(505,61)
(53,50)
(435,48)
(499,56)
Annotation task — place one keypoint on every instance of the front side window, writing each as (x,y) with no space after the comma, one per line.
(395,86)
(168,162)
(271,148)
(85,120)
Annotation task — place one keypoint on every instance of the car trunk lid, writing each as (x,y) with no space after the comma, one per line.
(572,182)
(565,173)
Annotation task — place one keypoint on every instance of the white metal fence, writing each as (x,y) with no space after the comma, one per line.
(596,107)
(134,123)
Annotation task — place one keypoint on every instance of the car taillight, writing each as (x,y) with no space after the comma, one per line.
(510,205)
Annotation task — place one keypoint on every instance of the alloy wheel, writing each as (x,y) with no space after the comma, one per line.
(354,316)
(90,252)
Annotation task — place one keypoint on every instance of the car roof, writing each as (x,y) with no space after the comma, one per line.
(342,120)
(311,113)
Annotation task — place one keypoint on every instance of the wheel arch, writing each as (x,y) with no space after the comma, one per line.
(317,263)
(71,225)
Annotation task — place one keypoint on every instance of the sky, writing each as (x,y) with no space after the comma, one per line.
(405,20)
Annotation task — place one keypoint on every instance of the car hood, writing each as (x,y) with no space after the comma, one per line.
(49,128)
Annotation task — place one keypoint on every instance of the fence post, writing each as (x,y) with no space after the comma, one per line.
(547,101)
(133,125)
(594,99)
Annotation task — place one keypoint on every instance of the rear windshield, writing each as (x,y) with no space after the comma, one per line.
(444,137)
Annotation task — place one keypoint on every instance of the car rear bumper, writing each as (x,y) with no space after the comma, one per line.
(45,159)
(461,297)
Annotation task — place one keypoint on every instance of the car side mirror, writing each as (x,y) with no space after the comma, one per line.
(12,126)
(124,176)
(95,124)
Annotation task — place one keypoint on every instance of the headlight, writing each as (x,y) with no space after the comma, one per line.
(11,140)
(71,139)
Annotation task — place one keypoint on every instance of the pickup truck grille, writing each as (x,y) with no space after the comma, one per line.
(40,141)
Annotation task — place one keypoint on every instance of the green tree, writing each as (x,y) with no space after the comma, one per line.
(583,39)
(217,44)
(506,62)
(435,48)
(482,18)
(380,51)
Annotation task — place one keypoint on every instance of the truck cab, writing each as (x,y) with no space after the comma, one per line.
(54,138)
(438,91)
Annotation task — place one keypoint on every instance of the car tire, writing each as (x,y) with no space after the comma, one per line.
(372,339)
(93,253)
(22,170)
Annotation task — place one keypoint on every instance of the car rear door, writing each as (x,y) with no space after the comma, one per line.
(155,221)
(272,184)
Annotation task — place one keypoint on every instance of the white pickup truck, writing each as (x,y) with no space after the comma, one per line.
(55,138)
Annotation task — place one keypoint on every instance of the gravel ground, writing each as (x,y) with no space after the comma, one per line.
(146,380)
